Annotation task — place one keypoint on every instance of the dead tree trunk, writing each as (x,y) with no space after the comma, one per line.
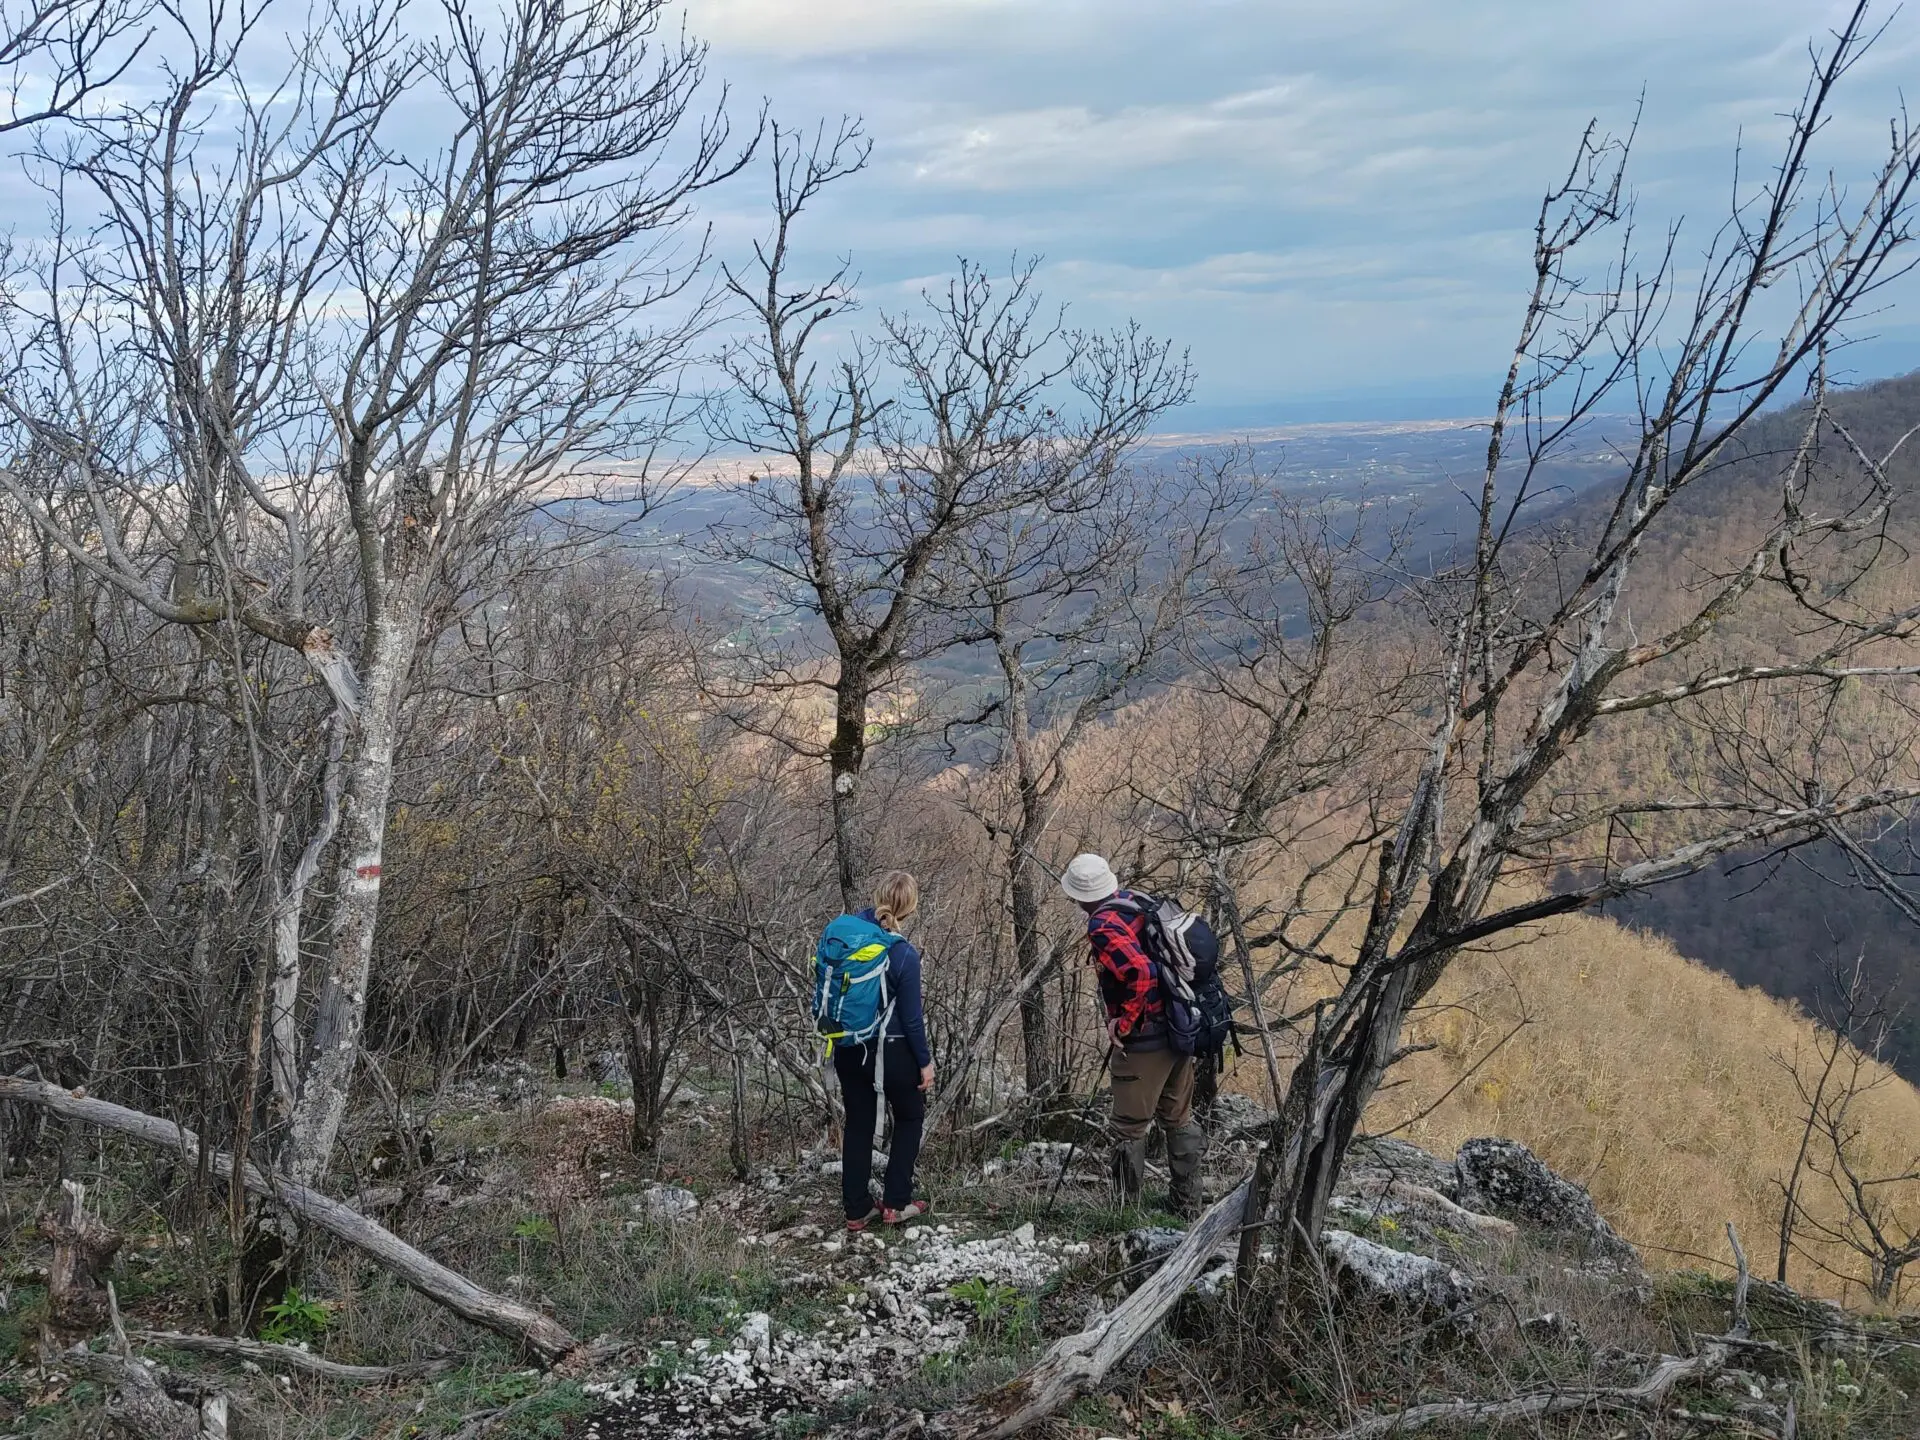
(138,1403)
(1035,962)
(1647,1398)
(846,757)
(540,1334)
(83,1247)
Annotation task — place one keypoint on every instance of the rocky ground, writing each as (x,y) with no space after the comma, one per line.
(737,1307)
(886,1304)
(868,1315)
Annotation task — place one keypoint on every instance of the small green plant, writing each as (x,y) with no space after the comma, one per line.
(989,1301)
(662,1365)
(1094,1412)
(532,1230)
(548,1412)
(295,1319)
(1004,1313)
(1383,1228)
(943,1370)
(504,1389)
(1189,1427)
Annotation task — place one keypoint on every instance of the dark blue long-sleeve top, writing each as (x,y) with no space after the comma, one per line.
(909,1021)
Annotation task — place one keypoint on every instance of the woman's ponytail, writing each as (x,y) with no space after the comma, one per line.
(895,899)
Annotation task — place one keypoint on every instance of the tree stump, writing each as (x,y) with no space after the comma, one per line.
(83,1247)
(141,1409)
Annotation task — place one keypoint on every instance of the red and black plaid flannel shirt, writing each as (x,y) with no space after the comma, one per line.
(1127,982)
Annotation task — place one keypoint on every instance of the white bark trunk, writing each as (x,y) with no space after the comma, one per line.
(340,1009)
(283,1031)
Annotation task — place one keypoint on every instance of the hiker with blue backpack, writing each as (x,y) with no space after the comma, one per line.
(1167,1013)
(866,1003)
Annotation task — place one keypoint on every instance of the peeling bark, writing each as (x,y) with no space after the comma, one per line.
(340,1010)
(138,1404)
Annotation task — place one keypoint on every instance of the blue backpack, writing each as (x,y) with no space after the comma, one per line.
(851,1000)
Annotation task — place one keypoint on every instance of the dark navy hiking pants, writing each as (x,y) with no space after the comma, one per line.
(854,1065)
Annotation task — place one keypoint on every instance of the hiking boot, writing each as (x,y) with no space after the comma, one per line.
(1186,1208)
(1186,1147)
(1129,1166)
(907,1213)
(854,1227)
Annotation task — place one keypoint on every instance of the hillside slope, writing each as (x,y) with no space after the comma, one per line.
(1659,1083)
(1781,926)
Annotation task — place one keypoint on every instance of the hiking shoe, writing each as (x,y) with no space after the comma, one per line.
(907,1213)
(854,1227)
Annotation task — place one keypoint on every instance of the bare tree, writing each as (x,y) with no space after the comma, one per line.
(1878,1221)
(1295,694)
(979,410)
(371,362)
(54,54)
(1569,657)
(1080,601)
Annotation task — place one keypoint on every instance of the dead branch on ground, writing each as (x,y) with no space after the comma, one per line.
(539,1333)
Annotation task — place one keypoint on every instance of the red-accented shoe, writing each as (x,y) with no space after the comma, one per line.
(907,1213)
(854,1227)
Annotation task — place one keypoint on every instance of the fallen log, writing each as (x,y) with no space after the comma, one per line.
(138,1401)
(1650,1394)
(1079,1362)
(287,1357)
(539,1333)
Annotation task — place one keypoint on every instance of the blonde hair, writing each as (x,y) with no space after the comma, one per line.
(895,898)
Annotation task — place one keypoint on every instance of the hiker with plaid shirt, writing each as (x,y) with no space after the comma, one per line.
(1150,1081)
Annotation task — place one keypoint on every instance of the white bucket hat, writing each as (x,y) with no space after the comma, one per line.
(1088,878)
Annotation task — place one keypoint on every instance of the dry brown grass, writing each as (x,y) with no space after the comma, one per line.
(1655,1081)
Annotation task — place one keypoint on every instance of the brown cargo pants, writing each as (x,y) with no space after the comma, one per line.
(1151,1085)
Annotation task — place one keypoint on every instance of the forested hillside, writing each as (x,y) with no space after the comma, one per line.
(1670,1092)
(1795,927)
(1795,922)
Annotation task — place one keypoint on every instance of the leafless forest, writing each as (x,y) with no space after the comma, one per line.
(355,738)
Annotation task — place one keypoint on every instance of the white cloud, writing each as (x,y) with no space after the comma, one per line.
(793,28)
(1358,177)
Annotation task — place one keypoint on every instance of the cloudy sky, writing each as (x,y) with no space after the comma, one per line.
(1327,200)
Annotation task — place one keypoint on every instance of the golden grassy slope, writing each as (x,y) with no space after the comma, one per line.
(1659,1083)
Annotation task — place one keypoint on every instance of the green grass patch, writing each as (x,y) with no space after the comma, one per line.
(20,1322)
(1078,1219)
